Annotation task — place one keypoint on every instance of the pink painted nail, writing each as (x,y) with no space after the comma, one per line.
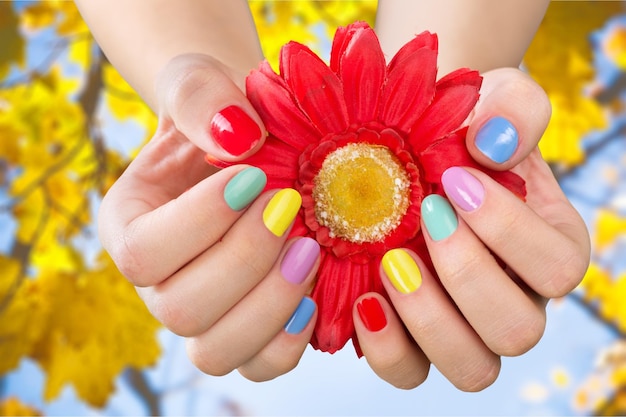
(463,188)
(299,260)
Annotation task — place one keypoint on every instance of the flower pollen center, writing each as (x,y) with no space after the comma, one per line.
(361,192)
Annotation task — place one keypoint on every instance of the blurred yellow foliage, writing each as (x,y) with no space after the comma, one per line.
(560,60)
(14,407)
(309,22)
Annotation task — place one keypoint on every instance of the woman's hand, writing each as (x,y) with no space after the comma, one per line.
(498,259)
(207,250)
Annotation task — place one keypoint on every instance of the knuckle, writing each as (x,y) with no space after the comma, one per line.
(567,272)
(266,367)
(130,259)
(175,315)
(479,376)
(207,360)
(519,337)
(393,368)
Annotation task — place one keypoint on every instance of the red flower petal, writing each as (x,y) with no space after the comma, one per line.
(362,88)
(452,151)
(316,88)
(340,41)
(448,111)
(425,40)
(464,76)
(340,283)
(268,94)
(409,89)
(277,159)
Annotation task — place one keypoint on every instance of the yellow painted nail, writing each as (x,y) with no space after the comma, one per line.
(402,271)
(281,210)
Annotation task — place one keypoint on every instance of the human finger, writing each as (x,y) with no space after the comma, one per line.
(203,99)
(283,352)
(196,296)
(385,344)
(508,120)
(508,319)
(551,258)
(276,304)
(435,323)
(150,240)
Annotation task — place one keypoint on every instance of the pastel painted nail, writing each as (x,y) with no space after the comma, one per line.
(281,210)
(439,217)
(402,271)
(463,188)
(301,317)
(372,314)
(497,139)
(234,130)
(299,260)
(244,187)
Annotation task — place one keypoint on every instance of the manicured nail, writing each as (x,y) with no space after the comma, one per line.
(372,314)
(299,260)
(497,139)
(402,271)
(439,217)
(234,130)
(244,187)
(301,317)
(281,210)
(463,188)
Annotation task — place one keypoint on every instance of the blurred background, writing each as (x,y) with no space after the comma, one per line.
(75,339)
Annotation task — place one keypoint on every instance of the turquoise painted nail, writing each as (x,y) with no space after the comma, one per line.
(244,187)
(439,217)
(301,317)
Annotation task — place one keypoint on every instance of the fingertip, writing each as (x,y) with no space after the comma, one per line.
(509,120)
(385,343)
(202,98)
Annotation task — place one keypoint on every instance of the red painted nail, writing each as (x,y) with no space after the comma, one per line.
(234,130)
(372,314)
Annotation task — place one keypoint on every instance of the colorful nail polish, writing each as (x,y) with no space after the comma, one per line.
(402,271)
(244,187)
(439,217)
(301,317)
(497,139)
(299,260)
(281,210)
(463,188)
(372,314)
(234,130)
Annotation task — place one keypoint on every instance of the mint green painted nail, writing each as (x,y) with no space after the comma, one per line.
(439,217)
(244,187)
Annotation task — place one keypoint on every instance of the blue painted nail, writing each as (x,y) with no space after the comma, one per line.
(300,318)
(497,139)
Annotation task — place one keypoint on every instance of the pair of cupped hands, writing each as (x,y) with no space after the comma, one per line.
(212,274)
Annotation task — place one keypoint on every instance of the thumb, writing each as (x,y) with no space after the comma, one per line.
(200,96)
(509,119)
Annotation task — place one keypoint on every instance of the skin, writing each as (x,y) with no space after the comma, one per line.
(192,64)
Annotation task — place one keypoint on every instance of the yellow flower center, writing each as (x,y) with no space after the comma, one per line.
(361,192)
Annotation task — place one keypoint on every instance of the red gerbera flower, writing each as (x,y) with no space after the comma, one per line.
(363,142)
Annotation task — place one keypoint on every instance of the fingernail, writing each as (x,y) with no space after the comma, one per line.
(301,317)
(372,314)
(234,130)
(244,187)
(281,210)
(497,139)
(402,271)
(299,260)
(463,188)
(439,217)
